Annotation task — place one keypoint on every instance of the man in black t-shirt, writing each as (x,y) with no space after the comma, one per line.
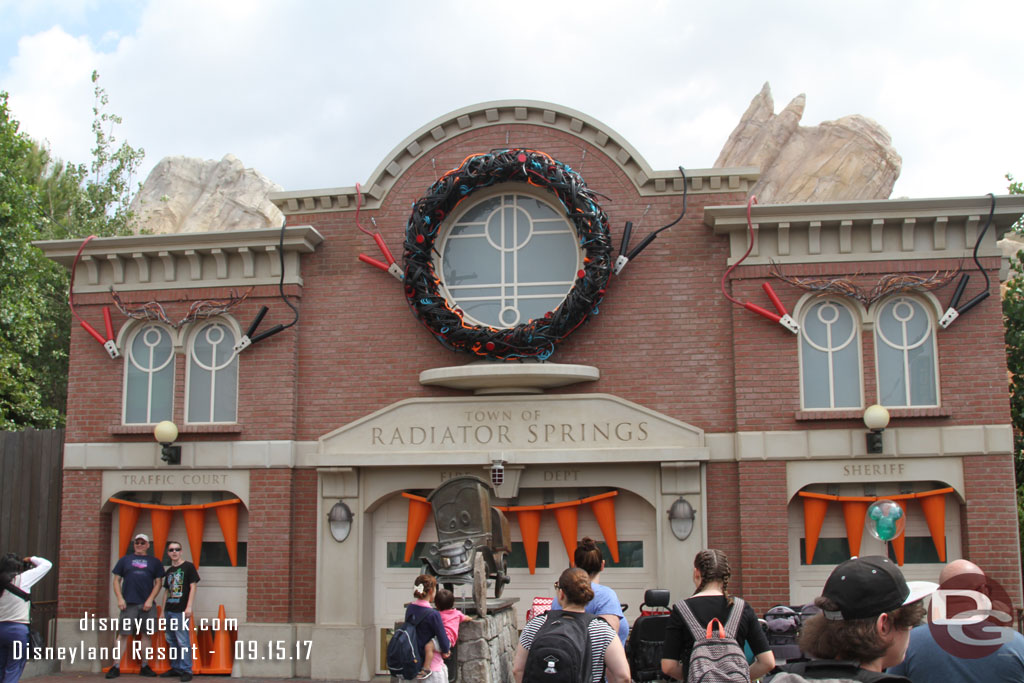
(136,584)
(180,581)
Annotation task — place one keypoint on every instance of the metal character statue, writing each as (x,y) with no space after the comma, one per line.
(473,539)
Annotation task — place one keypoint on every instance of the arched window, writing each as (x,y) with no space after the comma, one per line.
(830,359)
(905,354)
(212,383)
(508,259)
(149,376)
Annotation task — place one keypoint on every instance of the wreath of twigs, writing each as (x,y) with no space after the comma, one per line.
(533,339)
(892,283)
(198,310)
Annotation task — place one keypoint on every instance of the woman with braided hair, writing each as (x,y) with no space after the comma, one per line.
(711,600)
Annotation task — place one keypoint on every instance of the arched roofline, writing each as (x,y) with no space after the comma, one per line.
(647,181)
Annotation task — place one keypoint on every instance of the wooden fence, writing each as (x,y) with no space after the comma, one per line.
(31,463)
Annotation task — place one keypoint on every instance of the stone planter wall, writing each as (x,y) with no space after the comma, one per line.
(486,647)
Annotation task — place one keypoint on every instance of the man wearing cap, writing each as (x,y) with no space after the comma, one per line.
(868,609)
(137,578)
(987,656)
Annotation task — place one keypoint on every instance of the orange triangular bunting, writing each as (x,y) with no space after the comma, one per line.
(419,513)
(814,518)
(127,516)
(227,517)
(567,518)
(855,511)
(933,505)
(160,518)
(604,510)
(529,528)
(195,520)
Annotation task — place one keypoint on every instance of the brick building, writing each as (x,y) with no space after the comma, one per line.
(670,393)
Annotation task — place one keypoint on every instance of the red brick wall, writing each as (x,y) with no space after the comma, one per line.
(972,359)
(84,584)
(992,541)
(663,312)
(267,394)
(764,538)
(271,563)
(723,510)
(665,338)
(305,505)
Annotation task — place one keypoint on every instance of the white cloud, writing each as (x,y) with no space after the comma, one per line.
(51,93)
(315,94)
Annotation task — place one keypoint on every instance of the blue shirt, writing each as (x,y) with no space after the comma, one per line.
(138,572)
(605,602)
(926,661)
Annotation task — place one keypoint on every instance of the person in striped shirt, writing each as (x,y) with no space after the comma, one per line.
(607,656)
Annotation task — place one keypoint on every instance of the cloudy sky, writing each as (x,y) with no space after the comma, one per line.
(315,93)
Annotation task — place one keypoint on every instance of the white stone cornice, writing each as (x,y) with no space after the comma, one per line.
(512,113)
(874,230)
(239,258)
(827,444)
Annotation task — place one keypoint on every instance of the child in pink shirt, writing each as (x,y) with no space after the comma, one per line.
(452,618)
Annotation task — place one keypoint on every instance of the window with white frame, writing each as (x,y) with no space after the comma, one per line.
(212,382)
(508,259)
(905,354)
(149,376)
(830,357)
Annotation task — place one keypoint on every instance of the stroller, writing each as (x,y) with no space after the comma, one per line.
(782,626)
(647,636)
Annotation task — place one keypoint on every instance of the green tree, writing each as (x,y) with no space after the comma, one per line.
(44,198)
(1013,315)
(22,300)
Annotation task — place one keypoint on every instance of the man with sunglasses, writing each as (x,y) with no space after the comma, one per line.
(180,581)
(136,584)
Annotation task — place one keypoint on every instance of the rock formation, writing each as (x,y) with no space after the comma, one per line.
(192,195)
(850,158)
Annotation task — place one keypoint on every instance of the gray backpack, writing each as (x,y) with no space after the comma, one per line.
(716,657)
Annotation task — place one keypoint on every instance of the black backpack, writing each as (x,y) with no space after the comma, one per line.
(560,652)
(403,656)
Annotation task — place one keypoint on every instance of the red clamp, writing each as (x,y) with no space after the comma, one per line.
(783,318)
(108,343)
(389,267)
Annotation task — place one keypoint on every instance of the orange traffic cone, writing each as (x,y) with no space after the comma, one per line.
(222,653)
(197,652)
(128,663)
(159,662)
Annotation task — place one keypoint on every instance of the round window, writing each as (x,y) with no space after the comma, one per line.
(516,269)
(508,259)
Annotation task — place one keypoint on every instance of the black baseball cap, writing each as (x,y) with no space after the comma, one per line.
(864,587)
